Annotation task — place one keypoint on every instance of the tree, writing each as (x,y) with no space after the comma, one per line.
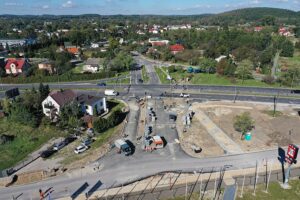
(243,123)
(244,70)
(22,115)
(44,91)
(122,62)
(291,77)
(100,125)
(208,65)
(226,67)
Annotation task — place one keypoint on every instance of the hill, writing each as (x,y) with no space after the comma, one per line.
(257,15)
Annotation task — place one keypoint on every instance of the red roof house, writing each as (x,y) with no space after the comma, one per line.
(176,48)
(16,66)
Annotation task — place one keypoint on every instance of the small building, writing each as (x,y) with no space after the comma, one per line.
(47,66)
(55,101)
(176,48)
(53,104)
(90,104)
(220,58)
(158,42)
(258,29)
(92,65)
(16,66)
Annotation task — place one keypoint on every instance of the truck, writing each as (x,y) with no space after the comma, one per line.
(123,147)
(110,93)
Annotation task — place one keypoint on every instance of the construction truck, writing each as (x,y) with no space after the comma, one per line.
(123,147)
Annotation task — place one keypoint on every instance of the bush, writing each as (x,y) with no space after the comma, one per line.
(268,79)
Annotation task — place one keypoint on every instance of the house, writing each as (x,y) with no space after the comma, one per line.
(53,104)
(158,42)
(92,65)
(55,101)
(16,66)
(176,48)
(72,49)
(47,66)
(285,32)
(95,45)
(90,104)
(258,29)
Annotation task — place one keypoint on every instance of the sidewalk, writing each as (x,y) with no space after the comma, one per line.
(221,138)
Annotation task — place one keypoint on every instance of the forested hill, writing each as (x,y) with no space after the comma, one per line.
(258,15)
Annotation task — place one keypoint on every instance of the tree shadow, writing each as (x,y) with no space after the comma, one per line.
(281,159)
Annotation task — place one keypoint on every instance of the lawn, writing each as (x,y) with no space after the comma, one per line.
(78,69)
(207,79)
(145,75)
(275,192)
(26,140)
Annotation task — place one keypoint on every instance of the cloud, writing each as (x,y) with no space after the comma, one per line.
(68,4)
(45,7)
(255,2)
(13,4)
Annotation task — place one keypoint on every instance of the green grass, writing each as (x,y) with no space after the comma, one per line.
(78,69)
(161,75)
(207,79)
(275,192)
(145,75)
(14,152)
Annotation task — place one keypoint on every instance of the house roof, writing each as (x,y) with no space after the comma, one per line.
(176,47)
(93,61)
(88,99)
(63,97)
(73,50)
(18,62)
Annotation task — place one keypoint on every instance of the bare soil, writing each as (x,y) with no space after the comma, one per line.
(269,131)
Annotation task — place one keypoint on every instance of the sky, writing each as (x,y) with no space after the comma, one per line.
(112,7)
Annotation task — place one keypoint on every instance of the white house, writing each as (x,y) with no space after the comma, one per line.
(53,104)
(55,101)
(90,104)
(92,65)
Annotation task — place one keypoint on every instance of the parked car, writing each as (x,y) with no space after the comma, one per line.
(69,139)
(80,149)
(140,80)
(101,84)
(184,95)
(59,146)
(47,153)
(87,141)
(90,132)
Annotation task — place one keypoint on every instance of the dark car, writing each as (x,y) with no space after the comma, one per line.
(101,84)
(140,80)
(47,153)
(69,139)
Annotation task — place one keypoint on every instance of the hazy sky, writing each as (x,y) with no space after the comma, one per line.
(106,7)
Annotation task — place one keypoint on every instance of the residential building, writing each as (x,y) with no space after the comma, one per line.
(53,104)
(16,66)
(176,48)
(258,28)
(92,65)
(285,32)
(55,101)
(48,66)
(90,104)
(12,42)
(158,42)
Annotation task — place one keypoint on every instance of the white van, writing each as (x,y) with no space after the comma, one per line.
(110,93)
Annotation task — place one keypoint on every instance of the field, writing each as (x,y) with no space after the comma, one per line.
(26,141)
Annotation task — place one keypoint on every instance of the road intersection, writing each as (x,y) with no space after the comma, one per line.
(117,170)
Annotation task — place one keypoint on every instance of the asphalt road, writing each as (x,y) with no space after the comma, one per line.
(125,171)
